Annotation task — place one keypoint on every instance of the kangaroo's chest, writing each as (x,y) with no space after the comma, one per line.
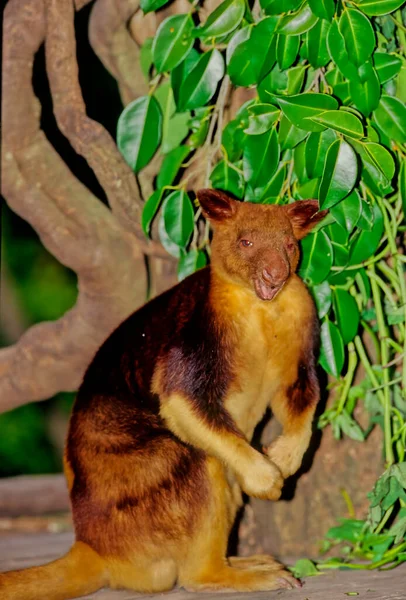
(266,359)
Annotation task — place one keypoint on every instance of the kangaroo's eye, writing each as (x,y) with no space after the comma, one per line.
(290,246)
(246,243)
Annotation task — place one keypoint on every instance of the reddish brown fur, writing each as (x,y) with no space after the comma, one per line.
(158,447)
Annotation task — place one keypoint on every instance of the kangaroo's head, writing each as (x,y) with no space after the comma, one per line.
(256,245)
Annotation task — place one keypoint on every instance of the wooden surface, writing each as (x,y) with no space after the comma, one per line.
(33,495)
(19,550)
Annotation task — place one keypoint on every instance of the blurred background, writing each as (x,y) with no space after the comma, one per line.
(35,287)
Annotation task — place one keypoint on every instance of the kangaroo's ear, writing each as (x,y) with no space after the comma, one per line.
(216,205)
(304,215)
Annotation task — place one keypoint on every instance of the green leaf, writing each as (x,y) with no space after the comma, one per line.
(387,66)
(191,262)
(340,174)
(179,74)
(289,135)
(358,34)
(399,472)
(199,124)
(171,165)
(149,211)
(146,57)
(317,145)
(287,47)
(178,215)
(261,118)
(402,185)
(299,167)
(349,531)
(331,350)
(338,52)
(391,118)
(309,189)
(401,84)
(304,568)
(251,53)
(317,257)
(376,8)
(150,5)
(175,126)
(239,58)
(378,167)
(276,82)
(367,242)
(381,158)
(348,211)
(367,217)
(275,7)
(324,9)
(139,131)
(322,296)
(298,22)
(171,248)
(173,41)
(268,193)
(342,121)
(296,77)
(366,93)
(398,529)
(316,44)
(223,20)
(201,83)
(233,138)
(262,46)
(225,177)
(347,314)
(350,427)
(301,108)
(395,492)
(260,157)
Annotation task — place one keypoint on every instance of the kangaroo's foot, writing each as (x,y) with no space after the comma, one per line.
(263,561)
(249,578)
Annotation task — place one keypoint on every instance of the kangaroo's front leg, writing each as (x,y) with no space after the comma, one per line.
(220,437)
(294,406)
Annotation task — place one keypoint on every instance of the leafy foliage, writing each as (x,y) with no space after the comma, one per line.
(327,119)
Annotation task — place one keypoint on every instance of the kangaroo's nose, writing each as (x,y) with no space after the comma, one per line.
(274,276)
(268,277)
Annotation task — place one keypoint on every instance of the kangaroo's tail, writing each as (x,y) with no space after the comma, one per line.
(81,571)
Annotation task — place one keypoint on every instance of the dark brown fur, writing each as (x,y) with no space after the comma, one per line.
(158,446)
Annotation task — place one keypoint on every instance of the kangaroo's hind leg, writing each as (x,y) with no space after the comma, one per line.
(206,568)
(142,575)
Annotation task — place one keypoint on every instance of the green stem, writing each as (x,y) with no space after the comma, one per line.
(352,366)
(384,385)
(374,339)
(385,288)
(385,359)
(395,345)
(365,263)
(384,519)
(367,366)
(391,275)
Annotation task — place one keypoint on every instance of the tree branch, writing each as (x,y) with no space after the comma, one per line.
(112,42)
(72,223)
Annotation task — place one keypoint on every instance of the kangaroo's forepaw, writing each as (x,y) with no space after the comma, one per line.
(263,480)
(287,454)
